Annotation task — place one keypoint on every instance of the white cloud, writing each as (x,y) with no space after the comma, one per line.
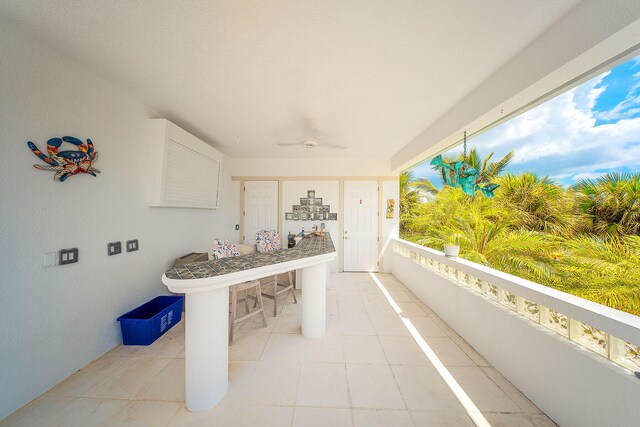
(560,138)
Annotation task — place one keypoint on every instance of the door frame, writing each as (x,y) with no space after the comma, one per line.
(379,183)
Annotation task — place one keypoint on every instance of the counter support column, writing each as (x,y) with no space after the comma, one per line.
(314,300)
(206,348)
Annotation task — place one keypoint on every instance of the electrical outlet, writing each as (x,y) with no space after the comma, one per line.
(132,245)
(237,227)
(114,248)
(68,256)
(50,259)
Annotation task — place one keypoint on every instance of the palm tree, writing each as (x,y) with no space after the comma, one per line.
(487,170)
(486,234)
(604,270)
(613,203)
(541,204)
(535,229)
(412,193)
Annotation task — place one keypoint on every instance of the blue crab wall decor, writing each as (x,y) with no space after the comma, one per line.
(67,163)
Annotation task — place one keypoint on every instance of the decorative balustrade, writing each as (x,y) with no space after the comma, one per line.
(610,333)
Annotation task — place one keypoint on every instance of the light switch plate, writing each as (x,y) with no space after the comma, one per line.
(114,248)
(50,259)
(132,245)
(68,256)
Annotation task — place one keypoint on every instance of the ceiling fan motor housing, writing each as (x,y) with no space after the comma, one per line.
(309,143)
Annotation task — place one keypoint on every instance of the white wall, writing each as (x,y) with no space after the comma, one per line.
(339,166)
(54,321)
(292,191)
(390,226)
(573,386)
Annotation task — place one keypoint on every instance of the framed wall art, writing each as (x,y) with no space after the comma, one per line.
(311,209)
(391,205)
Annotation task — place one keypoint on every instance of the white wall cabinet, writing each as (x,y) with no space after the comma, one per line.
(183,170)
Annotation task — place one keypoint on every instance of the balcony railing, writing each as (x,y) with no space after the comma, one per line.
(611,333)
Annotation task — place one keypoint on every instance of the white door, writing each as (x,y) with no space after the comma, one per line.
(360,226)
(260,208)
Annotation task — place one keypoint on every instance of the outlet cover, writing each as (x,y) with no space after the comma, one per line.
(132,245)
(50,259)
(114,248)
(68,256)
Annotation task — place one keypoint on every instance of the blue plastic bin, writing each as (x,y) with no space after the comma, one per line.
(147,323)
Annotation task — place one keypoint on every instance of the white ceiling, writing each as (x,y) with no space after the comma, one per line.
(246,75)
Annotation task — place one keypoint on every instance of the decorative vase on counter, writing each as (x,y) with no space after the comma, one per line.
(291,238)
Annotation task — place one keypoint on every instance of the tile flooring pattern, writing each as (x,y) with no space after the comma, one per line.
(307,247)
(366,371)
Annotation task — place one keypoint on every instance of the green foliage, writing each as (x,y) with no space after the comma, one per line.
(604,270)
(613,203)
(540,204)
(412,193)
(583,240)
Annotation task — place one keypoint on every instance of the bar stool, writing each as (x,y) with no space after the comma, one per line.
(269,241)
(223,248)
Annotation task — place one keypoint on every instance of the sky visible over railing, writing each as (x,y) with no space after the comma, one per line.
(583,133)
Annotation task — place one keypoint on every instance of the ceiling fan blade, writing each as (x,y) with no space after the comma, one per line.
(290,144)
(332,146)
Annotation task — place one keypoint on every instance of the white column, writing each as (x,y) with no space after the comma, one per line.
(207,351)
(314,300)
(299,279)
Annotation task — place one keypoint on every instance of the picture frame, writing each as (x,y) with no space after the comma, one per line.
(391,203)
(310,209)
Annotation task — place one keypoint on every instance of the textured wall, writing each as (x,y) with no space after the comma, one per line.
(54,321)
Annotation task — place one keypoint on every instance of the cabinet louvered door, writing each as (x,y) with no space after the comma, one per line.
(191,179)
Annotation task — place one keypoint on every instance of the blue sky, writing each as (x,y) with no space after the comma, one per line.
(589,130)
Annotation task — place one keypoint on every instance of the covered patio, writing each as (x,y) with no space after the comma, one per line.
(220,121)
(386,360)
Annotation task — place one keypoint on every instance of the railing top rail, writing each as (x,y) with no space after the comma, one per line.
(618,323)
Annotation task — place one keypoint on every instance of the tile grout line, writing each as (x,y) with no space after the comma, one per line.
(472,410)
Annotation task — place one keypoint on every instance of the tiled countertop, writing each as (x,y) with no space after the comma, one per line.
(307,247)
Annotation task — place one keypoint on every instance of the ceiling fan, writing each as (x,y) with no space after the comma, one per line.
(309,127)
(310,143)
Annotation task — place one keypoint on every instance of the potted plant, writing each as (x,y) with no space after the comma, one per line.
(452,245)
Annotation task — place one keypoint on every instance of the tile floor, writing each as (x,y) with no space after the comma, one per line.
(366,371)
